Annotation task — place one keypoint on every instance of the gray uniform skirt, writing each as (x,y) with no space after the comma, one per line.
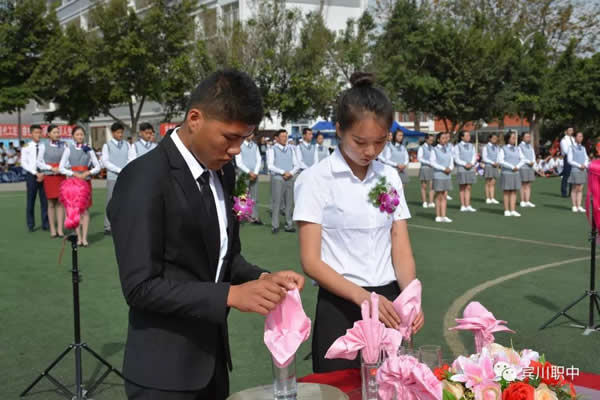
(465,176)
(491,172)
(527,174)
(577,176)
(403,176)
(510,180)
(426,173)
(442,185)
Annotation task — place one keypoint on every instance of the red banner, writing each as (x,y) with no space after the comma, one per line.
(11,131)
(166,126)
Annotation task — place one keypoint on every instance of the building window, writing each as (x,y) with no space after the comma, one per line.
(231,15)
(405,117)
(207,21)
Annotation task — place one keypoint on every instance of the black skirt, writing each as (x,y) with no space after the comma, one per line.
(333,317)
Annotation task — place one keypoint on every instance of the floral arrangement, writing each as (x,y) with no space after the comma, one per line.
(86,148)
(501,373)
(384,196)
(243,204)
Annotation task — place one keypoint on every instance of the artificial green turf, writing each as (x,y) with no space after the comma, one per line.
(36,305)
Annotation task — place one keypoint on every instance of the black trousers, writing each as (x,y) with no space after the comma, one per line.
(217,389)
(565,187)
(334,316)
(33,188)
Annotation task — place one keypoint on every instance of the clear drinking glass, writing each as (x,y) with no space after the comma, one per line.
(368,375)
(284,381)
(431,355)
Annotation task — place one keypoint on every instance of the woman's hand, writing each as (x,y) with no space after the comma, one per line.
(387,314)
(418,322)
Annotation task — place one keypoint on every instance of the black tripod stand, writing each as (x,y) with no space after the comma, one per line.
(592,293)
(80,392)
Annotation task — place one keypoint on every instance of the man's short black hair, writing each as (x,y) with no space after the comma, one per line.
(34,127)
(228,96)
(279,132)
(305,130)
(116,126)
(144,126)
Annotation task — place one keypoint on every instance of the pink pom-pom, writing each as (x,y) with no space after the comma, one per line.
(75,195)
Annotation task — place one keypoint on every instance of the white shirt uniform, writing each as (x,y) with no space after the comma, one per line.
(420,156)
(216,189)
(65,167)
(522,159)
(355,235)
(239,162)
(132,153)
(271,161)
(300,157)
(29,158)
(106,157)
(565,144)
(11,157)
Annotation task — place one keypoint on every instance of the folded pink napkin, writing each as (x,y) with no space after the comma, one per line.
(482,323)
(286,327)
(408,306)
(409,379)
(369,335)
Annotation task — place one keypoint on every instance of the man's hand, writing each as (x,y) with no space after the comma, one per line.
(287,280)
(253,176)
(39,177)
(260,296)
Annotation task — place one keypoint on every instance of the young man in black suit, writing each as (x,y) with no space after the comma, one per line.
(178,248)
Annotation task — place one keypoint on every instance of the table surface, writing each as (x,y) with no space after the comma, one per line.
(306,391)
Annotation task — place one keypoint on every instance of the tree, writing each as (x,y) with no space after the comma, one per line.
(140,58)
(26,26)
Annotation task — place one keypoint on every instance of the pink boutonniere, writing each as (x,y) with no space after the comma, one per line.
(384,196)
(243,204)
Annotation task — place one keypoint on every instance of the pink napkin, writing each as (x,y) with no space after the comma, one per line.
(409,379)
(408,306)
(286,327)
(478,319)
(369,335)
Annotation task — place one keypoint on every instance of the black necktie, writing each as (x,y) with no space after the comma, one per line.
(37,151)
(214,242)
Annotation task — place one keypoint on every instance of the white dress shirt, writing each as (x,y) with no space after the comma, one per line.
(65,167)
(28,157)
(106,156)
(433,159)
(239,161)
(300,157)
(132,153)
(386,155)
(420,157)
(574,163)
(456,155)
(41,162)
(522,159)
(271,161)
(216,189)
(355,235)
(565,144)
(11,156)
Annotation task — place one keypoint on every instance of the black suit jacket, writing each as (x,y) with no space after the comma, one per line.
(177,313)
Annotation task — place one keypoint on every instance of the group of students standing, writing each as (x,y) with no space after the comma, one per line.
(49,164)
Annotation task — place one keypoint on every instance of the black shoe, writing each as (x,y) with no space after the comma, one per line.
(292,229)
(46,228)
(257,222)
(31,230)
(107,232)
(274,230)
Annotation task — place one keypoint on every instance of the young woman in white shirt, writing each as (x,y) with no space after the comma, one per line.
(347,245)
(465,157)
(442,161)
(527,171)
(426,171)
(580,162)
(489,155)
(48,161)
(510,159)
(396,156)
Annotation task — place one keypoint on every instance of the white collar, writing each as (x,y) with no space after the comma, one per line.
(248,143)
(195,168)
(305,143)
(339,165)
(278,145)
(115,141)
(145,143)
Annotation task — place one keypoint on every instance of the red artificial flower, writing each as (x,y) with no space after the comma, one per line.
(518,391)
(548,373)
(442,372)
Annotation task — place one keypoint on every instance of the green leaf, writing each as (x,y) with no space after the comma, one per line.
(448,395)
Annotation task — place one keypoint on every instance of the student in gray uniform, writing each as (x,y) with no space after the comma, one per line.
(426,171)
(115,155)
(465,157)
(527,172)
(580,162)
(75,163)
(144,144)
(489,156)
(248,161)
(395,155)
(283,165)
(322,150)
(48,160)
(511,160)
(306,151)
(442,161)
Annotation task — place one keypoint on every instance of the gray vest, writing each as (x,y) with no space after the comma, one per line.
(249,156)
(322,152)
(283,159)
(492,152)
(426,151)
(579,154)
(52,155)
(398,154)
(141,148)
(308,153)
(443,157)
(528,152)
(511,156)
(465,152)
(117,155)
(78,158)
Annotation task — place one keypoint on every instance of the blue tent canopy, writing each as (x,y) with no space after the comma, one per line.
(324,126)
(407,132)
